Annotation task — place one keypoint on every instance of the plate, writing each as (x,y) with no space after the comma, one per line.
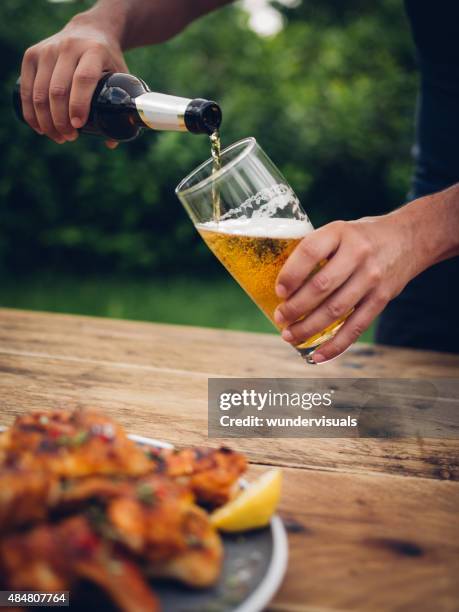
(254,566)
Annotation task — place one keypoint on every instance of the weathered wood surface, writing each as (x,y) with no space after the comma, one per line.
(374,524)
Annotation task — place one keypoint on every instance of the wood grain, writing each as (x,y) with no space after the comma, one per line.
(207,351)
(373,523)
(171,405)
(361,542)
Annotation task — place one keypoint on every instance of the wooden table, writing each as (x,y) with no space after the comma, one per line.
(374,524)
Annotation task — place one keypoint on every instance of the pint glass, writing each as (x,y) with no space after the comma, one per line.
(251,220)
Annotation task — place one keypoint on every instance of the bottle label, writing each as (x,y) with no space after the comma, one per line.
(162,112)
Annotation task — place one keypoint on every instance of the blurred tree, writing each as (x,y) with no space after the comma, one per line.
(330,98)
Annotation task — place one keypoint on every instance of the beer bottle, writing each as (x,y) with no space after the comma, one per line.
(123,105)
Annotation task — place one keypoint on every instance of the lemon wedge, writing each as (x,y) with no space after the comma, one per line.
(253,507)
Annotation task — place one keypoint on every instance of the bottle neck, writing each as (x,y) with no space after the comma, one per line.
(163,112)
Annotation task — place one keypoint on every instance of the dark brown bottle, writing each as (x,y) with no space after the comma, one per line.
(123,105)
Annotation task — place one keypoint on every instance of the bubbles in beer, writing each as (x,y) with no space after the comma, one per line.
(215,149)
(254,250)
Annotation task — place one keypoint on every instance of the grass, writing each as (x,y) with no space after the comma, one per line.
(187,301)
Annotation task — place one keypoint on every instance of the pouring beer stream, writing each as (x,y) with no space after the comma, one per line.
(215,149)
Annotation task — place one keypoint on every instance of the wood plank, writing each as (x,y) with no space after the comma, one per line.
(208,351)
(172,406)
(361,542)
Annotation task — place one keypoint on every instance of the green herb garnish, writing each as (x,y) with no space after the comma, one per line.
(80,438)
(146,494)
(77,440)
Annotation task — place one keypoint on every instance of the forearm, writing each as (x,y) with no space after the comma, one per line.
(432,227)
(135,23)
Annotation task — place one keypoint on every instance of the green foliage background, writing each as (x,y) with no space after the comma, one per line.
(331,99)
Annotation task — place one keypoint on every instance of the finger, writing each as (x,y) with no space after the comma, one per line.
(45,69)
(85,79)
(353,328)
(313,249)
(320,286)
(111,144)
(28,72)
(338,305)
(119,65)
(59,95)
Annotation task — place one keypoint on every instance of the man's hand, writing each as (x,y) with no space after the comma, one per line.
(369,262)
(59,76)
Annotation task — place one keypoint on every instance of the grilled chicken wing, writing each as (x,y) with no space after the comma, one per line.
(26,497)
(156,519)
(72,445)
(159,522)
(212,474)
(57,557)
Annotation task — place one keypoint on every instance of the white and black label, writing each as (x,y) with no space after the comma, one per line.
(162,112)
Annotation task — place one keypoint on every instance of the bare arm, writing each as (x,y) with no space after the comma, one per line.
(59,74)
(136,23)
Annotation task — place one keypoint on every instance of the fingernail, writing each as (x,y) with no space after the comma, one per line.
(279,317)
(281,291)
(39,132)
(76,122)
(287,335)
(71,137)
(318,357)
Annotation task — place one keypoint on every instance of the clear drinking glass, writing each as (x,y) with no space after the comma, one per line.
(251,220)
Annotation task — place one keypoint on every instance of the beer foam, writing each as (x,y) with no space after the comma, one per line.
(261,227)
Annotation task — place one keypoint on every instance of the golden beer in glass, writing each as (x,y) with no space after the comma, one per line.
(260,223)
